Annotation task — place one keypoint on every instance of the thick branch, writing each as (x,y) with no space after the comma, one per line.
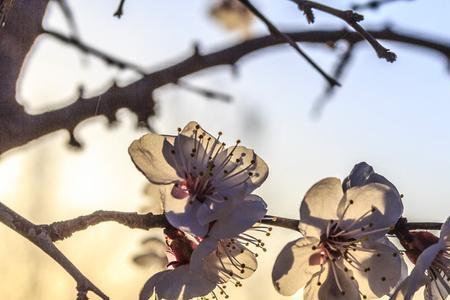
(23,128)
(64,229)
(22,26)
(41,238)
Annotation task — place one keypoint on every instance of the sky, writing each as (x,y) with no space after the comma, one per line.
(393,116)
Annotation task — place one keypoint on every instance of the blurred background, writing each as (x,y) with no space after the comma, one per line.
(393,116)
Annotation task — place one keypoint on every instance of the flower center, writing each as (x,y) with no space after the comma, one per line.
(180,247)
(209,167)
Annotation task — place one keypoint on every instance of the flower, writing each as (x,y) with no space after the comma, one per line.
(177,282)
(197,267)
(344,253)
(200,180)
(432,268)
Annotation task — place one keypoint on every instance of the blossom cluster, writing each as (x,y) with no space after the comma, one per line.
(207,190)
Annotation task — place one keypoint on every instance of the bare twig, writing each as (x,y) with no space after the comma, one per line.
(41,238)
(121,64)
(207,93)
(342,64)
(67,11)
(351,18)
(276,32)
(107,58)
(119,11)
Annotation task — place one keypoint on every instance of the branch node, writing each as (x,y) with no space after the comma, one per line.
(307,11)
(196,49)
(352,17)
(81,293)
(388,55)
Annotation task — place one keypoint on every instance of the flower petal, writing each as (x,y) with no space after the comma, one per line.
(189,138)
(210,211)
(182,213)
(220,260)
(424,261)
(400,291)
(445,231)
(376,267)
(319,205)
(181,284)
(329,289)
(293,268)
(373,206)
(362,174)
(239,168)
(241,217)
(150,154)
(201,259)
(149,287)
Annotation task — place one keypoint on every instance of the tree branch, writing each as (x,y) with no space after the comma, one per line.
(44,236)
(351,18)
(64,229)
(21,128)
(276,32)
(41,238)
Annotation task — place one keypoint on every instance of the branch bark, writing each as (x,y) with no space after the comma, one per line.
(41,238)
(21,128)
(351,18)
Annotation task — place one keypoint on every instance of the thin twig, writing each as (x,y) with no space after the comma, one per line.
(107,58)
(121,64)
(119,11)
(343,63)
(207,93)
(351,18)
(276,32)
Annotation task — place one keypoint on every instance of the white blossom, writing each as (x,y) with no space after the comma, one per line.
(344,253)
(199,267)
(432,270)
(200,180)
